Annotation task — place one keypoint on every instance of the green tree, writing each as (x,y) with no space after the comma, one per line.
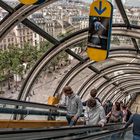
(17,68)
(2,78)
(11,60)
(7,66)
(2,68)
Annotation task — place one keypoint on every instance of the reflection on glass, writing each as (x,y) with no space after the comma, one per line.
(62,18)
(118,136)
(121,40)
(117,18)
(3,13)
(12,3)
(132,11)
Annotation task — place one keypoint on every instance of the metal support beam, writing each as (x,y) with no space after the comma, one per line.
(29,112)
(78,57)
(29,24)
(40,31)
(6,7)
(135,44)
(28,104)
(123,13)
(126,21)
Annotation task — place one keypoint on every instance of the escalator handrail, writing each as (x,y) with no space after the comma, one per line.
(29,104)
(102,134)
(58,128)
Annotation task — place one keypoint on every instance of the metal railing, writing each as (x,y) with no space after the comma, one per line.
(71,133)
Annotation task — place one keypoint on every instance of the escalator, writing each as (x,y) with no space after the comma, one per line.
(55,132)
(108,132)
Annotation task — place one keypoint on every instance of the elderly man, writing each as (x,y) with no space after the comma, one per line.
(94,113)
(73,104)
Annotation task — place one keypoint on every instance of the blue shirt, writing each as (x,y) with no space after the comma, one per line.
(135,119)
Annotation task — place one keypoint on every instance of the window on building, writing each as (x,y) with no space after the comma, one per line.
(4,40)
(4,47)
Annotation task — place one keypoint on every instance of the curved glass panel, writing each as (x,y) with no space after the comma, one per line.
(117,18)
(12,3)
(121,41)
(50,76)
(80,78)
(59,20)
(62,18)
(124,72)
(3,13)
(19,51)
(132,10)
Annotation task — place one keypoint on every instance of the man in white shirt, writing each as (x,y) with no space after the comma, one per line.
(94,113)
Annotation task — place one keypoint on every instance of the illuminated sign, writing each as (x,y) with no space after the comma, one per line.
(100,24)
(30,2)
